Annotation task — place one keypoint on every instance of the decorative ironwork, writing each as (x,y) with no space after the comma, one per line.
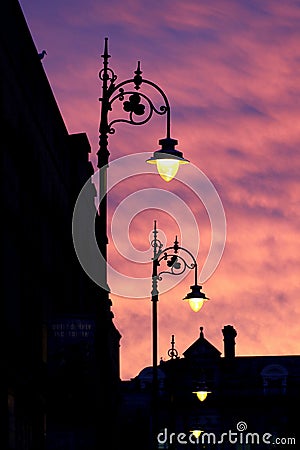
(139,106)
(133,105)
(156,243)
(172,352)
(176,267)
(176,264)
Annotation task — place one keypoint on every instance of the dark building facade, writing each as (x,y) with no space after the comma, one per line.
(60,348)
(250,404)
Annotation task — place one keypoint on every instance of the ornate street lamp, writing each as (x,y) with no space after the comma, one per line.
(138,110)
(167,158)
(176,264)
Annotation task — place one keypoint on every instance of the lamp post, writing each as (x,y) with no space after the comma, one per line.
(176,264)
(138,109)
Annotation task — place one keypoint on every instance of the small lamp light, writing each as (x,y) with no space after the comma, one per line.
(201,395)
(168,159)
(201,391)
(196,433)
(196,298)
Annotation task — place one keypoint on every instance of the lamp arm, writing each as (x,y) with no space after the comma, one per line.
(194,262)
(167,105)
(175,261)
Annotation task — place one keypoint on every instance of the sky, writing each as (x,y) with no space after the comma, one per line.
(231,72)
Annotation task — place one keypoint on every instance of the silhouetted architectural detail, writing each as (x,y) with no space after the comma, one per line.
(54,370)
(248,394)
(274,379)
(229,334)
(201,349)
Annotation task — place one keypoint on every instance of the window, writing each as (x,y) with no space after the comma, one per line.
(274,379)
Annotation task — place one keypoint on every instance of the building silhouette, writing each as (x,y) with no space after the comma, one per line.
(60,348)
(253,396)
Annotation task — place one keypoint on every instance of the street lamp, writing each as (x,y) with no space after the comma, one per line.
(176,264)
(138,109)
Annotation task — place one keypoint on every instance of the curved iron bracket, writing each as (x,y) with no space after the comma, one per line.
(138,106)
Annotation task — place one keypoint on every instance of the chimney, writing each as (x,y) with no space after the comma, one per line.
(229,334)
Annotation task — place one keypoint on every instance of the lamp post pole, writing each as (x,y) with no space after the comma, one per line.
(176,264)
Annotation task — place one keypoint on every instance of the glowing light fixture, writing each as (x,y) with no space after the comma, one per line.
(196,433)
(168,159)
(196,298)
(201,390)
(201,395)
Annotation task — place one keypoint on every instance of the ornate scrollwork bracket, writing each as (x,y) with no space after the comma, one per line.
(174,262)
(138,106)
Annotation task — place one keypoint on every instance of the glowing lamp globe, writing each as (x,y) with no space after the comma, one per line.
(196,433)
(167,168)
(201,395)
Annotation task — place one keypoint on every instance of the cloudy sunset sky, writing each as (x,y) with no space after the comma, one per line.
(231,72)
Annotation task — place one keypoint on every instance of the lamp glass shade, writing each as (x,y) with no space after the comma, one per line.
(167,168)
(196,304)
(196,433)
(201,395)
